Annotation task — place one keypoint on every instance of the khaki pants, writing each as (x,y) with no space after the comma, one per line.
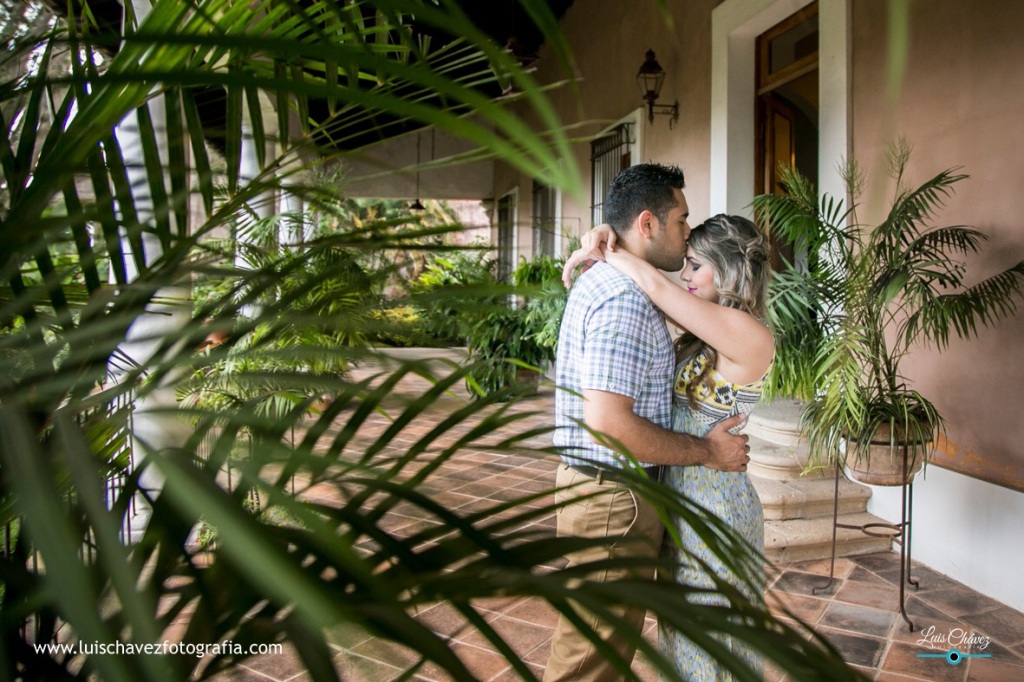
(603,509)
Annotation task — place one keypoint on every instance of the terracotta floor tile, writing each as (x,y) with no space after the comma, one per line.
(465,475)
(242,674)
(856,649)
(861,620)
(507,479)
(807,609)
(498,605)
(281,666)
(510,675)
(535,485)
(927,632)
(353,668)
(878,561)
(388,653)
(524,638)
(802,583)
(863,575)
(534,611)
(928,580)
(477,505)
(507,494)
(843,567)
(959,603)
(999,653)
(539,656)
(903,659)
(803,629)
(444,619)
(1001,623)
(347,636)
(475,489)
(994,670)
(452,500)
(878,595)
(481,663)
(918,610)
(523,460)
(884,676)
(868,673)
(644,669)
(546,466)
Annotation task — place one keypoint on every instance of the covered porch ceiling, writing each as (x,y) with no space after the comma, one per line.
(381,158)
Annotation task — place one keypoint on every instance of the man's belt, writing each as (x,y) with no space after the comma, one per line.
(600,474)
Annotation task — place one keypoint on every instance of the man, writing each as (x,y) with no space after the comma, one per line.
(615,369)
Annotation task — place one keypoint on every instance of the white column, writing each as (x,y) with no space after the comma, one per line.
(262,205)
(154,426)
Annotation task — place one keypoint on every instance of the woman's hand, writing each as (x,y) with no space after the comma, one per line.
(592,248)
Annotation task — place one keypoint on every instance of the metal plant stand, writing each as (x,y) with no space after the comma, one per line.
(899,532)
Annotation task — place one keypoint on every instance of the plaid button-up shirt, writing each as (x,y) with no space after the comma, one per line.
(612,339)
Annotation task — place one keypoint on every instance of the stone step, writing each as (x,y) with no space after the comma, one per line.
(781,461)
(776,422)
(806,539)
(804,498)
(799,505)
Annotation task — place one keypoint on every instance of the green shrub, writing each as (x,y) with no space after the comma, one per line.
(524,332)
(501,343)
(398,327)
(452,292)
(545,299)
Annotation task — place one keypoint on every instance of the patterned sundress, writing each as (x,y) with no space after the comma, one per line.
(730,496)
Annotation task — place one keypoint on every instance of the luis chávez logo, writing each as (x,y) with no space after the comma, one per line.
(954,639)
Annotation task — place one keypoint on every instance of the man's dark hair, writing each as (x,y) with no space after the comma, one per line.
(646,186)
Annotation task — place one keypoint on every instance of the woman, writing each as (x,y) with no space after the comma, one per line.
(723,357)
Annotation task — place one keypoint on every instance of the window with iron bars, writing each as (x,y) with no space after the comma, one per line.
(609,154)
(544,226)
(506,237)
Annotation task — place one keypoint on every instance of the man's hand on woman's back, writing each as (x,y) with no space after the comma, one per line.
(728,451)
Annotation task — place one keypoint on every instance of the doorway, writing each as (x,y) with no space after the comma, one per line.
(787,105)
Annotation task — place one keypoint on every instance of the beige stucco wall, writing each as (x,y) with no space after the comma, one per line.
(959,104)
(608,46)
(387,170)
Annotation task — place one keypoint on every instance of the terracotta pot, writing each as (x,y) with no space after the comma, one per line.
(321,404)
(882,464)
(527,380)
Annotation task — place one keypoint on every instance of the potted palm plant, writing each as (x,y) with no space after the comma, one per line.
(874,291)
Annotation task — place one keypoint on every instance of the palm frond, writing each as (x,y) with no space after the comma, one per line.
(912,212)
(961,313)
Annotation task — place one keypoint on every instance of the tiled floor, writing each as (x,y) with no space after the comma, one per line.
(858,614)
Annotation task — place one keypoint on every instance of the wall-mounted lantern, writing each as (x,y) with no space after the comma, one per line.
(650,78)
